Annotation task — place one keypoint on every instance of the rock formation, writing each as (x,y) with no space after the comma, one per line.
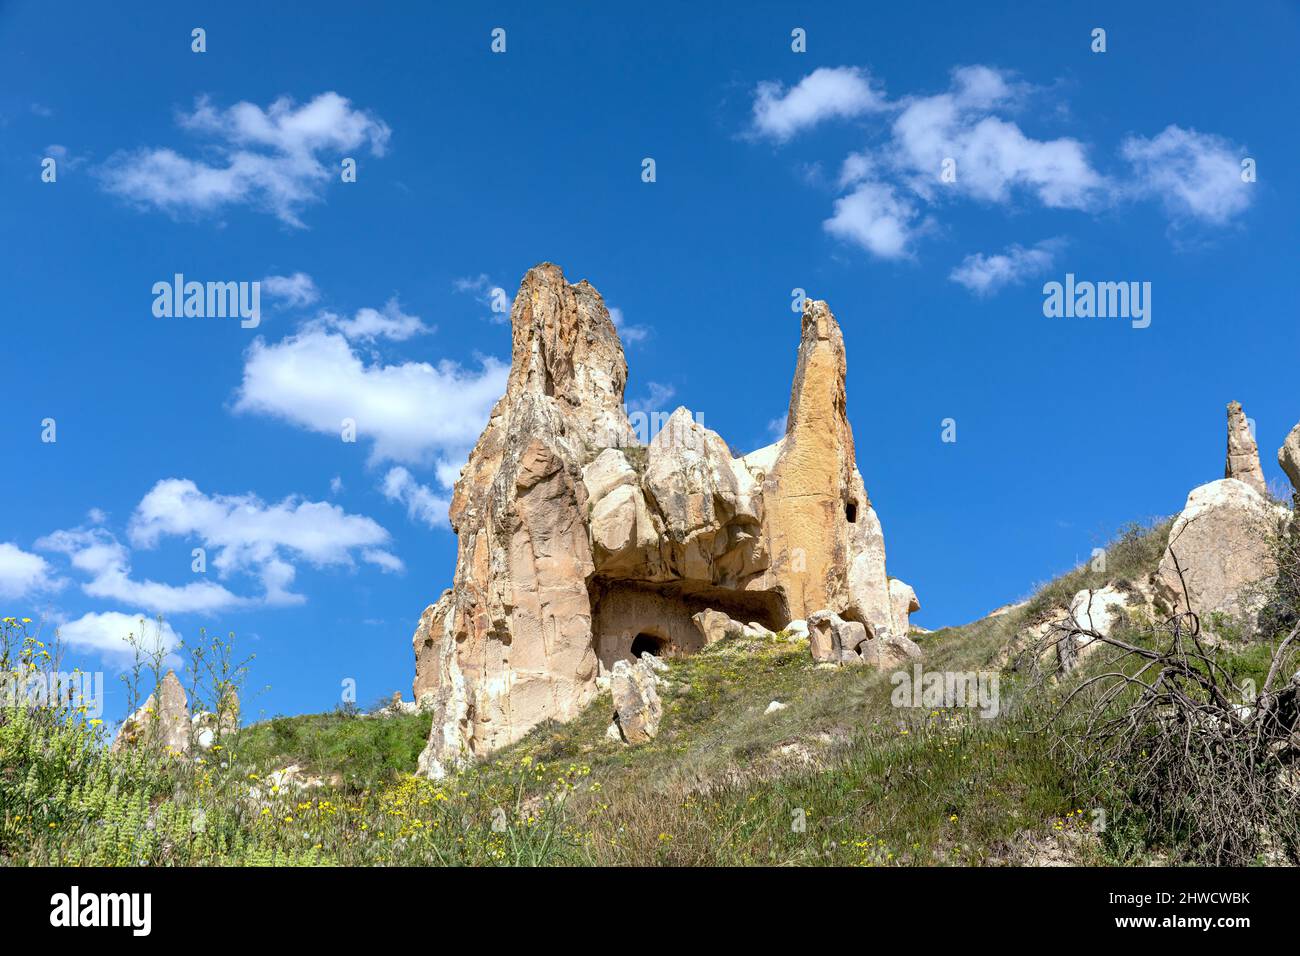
(579,547)
(1243,454)
(1222,541)
(162,720)
(637,708)
(1288,456)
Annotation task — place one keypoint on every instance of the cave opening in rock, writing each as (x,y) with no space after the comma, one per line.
(851,512)
(648,642)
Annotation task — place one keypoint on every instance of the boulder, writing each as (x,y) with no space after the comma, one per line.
(1243,454)
(831,639)
(714,626)
(1223,542)
(1288,456)
(1097,610)
(637,707)
(902,603)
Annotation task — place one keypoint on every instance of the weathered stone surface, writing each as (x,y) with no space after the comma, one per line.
(1243,454)
(831,639)
(714,626)
(163,720)
(902,603)
(1223,542)
(1097,610)
(1288,456)
(637,706)
(825,541)
(578,545)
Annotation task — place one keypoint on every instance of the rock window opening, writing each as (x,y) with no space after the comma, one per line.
(648,642)
(851,512)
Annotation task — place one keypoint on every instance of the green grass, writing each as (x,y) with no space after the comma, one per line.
(840,776)
(360,752)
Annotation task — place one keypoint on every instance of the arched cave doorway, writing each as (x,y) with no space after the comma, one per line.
(648,642)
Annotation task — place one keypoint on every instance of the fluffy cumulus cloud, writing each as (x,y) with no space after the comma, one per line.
(368,324)
(877,218)
(278,159)
(412,412)
(251,536)
(243,534)
(826,93)
(292,292)
(422,503)
(1195,175)
(986,274)
(105,561)
(964,143)
(23,574)
(116,636)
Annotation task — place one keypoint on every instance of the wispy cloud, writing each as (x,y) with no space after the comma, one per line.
(986,274)
(266,158)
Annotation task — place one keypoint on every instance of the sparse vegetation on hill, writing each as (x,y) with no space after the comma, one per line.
(838,776)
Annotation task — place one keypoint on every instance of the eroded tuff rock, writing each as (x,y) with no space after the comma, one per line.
(637,708)
(580,548)
(1223,544)
(1243,454)
(162,720)
(1288,456)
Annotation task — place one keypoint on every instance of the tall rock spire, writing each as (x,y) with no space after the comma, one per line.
(1243,454)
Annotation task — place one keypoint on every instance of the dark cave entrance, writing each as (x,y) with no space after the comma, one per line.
(648,642)
(851,512)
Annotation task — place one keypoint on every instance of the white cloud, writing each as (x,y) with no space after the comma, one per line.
(109,634)
(984,275)
(993,157)
(422,502)
(369,324)
(65,159)
(414,412)
(266,158)
(876,218)
(255,537)
(293,291)
(961,143)
(23,574)
(493,297)
(828,92)
(336,485)
(1195,175)
(106,561)
(627,332)
(244,536)
(657,399)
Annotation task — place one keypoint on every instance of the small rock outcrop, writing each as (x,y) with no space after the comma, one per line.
(1243,454)
(163,720)
(581,547)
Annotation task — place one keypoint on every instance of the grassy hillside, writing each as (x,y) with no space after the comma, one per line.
(839,776)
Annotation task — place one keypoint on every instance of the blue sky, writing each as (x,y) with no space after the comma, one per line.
(775,170)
